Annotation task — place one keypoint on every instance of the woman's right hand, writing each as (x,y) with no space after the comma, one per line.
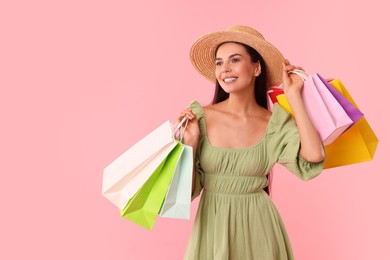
(191,134)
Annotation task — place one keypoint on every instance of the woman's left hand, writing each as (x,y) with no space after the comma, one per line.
(291,81)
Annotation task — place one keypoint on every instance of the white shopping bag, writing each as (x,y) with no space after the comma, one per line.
(124,176)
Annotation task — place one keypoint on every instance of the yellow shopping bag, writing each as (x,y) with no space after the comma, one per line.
(357,144)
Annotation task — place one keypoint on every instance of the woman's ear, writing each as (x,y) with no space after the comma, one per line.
(258,69)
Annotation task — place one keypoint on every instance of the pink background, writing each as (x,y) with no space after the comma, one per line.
(81,81)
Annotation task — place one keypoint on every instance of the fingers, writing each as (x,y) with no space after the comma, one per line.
(285,71)
(287,66)
(186,113)
(290,79)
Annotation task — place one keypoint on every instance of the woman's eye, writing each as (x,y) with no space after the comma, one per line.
(218,63)
(235,60)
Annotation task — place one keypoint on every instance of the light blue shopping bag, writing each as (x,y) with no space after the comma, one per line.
(177,201)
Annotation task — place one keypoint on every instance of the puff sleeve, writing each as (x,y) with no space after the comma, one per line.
(198,111)
(284,146)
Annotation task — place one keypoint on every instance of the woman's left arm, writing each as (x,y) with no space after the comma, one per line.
(311,145)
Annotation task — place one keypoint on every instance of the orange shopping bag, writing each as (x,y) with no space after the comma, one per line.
(357,144)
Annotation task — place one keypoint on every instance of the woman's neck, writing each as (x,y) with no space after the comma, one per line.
(242,104)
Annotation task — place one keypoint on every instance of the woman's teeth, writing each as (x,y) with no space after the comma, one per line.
(227,80)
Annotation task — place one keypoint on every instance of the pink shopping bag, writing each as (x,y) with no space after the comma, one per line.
(326,113)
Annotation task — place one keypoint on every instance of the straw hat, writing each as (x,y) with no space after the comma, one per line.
(202,53)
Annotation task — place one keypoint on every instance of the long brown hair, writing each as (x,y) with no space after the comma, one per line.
(260,89)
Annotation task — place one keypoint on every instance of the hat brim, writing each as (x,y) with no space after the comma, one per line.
(202,54)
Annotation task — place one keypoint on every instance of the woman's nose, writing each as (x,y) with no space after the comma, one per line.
(225,67)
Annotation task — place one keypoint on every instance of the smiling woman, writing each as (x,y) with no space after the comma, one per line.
(237,141)
(235,69)
(255,60)
(236,72)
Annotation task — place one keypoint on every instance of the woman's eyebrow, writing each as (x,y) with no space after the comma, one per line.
(231,56)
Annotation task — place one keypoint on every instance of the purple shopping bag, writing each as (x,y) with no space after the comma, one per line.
(349,108)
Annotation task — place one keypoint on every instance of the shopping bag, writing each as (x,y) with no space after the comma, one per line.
(353,112)
(178,198)
(357,144)
(124,176)
(326,113)
(274,92)
(145,205)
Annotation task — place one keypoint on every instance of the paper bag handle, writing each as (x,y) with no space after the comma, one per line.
(179,128)
(301,73)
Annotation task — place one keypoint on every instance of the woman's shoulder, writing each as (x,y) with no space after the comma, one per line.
(196,108)
(280,114)
(217,107)
(280,120)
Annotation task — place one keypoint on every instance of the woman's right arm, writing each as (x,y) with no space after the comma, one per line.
(191,137)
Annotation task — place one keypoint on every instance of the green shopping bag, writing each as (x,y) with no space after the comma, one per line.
(144,206)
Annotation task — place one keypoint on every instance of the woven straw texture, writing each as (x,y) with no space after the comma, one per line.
(202,53)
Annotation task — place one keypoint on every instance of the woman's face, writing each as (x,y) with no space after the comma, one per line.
(234,68)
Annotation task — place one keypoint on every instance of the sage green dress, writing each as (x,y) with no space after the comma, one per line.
(236,219)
